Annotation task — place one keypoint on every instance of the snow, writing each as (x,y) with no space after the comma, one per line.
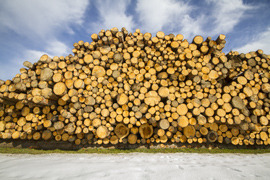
(135,166)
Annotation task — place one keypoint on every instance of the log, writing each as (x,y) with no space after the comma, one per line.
(60,89)
(146,131)
(121,131)
(163,92)
(182,109)
(237,102)
(189,131)
(46,135)
(46,74)
(122,99)
(28,64)
(132,139)
(98,71)
(212,136)
(152,98)
(102,132)
(183,121)
(164,124)
(198,40)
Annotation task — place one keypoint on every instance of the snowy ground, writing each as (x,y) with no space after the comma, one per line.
(135,166)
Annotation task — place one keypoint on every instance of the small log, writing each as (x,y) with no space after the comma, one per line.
(212,136)
(28,64)
(122,99)
(152,98)
(46,135)
(198,40)
(182,109)
(98,71)
(132,139)
(164,124)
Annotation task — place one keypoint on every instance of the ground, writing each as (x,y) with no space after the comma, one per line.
(135,166)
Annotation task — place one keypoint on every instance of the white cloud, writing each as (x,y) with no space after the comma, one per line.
(41,18)
(11,68)
(227,14)
(156,14)
(113,14)
(170,15)
(191,26)
(53,48)
(40,22)
(188,19)
(261,41)
(57,48)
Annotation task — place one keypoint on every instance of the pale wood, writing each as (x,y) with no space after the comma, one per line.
(122,99)
(102,132)
(60,88)
(164,124)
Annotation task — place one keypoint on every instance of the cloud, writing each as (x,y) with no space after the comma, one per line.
(170,15)
(261,41)
(10,69)
(41,18)
(38,24)
(53,48)
(57,48)
(192,26)
(227,14)
(218,16)
(113,14)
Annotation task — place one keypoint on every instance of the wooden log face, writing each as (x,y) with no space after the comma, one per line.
(238,102)
(189,131)
(182,109)
(2,126)
(122,99)
(183,121)
(46,74)
(152,98)
(164,124)
(28,64)
(163,92)
(146,131)
(212,136)
(132,139)
(98,71)
(102,132)
(59,88)
(121,130)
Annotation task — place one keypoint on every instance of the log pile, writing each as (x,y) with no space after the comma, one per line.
(135,88)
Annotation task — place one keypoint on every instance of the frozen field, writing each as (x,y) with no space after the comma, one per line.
(135,166)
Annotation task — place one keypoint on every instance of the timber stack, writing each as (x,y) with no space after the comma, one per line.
(135,88)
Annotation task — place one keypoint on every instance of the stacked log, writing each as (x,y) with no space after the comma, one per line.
(132,88)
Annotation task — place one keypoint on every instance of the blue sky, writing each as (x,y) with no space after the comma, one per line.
(30,28)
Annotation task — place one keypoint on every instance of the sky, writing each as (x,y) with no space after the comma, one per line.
(31,28)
